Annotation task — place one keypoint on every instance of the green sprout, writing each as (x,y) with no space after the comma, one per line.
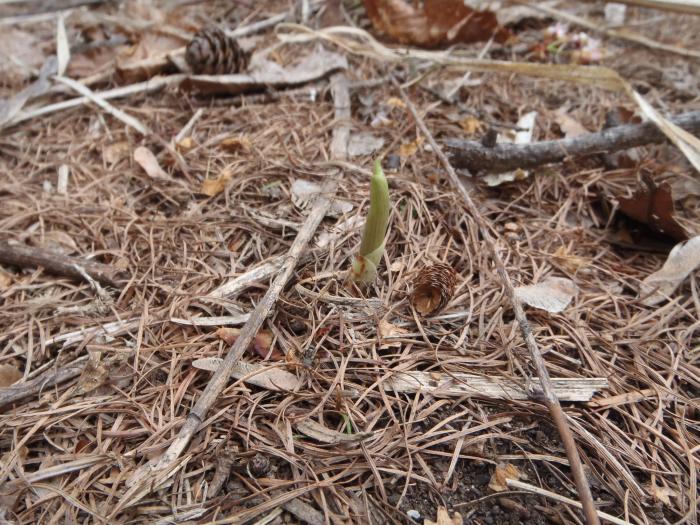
(364,266)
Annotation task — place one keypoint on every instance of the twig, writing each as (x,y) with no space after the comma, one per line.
(515,484)
(162,468)
(25,256)
(18,391)
(680,6)
(549,395)
(505,157)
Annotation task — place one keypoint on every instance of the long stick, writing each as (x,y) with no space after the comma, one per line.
(549,395)
(24,256)
(505,157)
(160,469)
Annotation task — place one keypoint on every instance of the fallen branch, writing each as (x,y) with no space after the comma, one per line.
(549,394)
(160,469)
(506,157)
(24,256)
(18,391)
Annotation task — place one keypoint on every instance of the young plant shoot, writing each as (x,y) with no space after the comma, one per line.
(364,266)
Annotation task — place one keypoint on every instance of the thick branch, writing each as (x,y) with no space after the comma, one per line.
(505,157)
(24,256)
(549,393)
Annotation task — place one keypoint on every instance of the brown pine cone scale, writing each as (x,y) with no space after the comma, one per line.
(211,52)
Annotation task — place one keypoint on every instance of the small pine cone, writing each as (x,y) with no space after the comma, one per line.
(211,52)
(433,288)
(258,465)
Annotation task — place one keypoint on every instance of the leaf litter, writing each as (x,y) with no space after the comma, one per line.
(178,247)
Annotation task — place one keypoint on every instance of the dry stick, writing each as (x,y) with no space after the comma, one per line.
(549,395)
(162,468)
(19,391)
(24,256)
(505,157)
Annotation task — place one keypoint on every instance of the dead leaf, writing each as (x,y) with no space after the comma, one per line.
(364,144)
(145,158)
(569,126)
(570,262)
(443,518)
(264,73)
(145,59)
(683,259)
(58,241)
(653,206)
(471,125)
(260,344)
(438,23)
(504,472)
(5,280)
(212,187)
(552,294)
(387,330)
(94,375)
(662,494)
(257,374)
(304,192)
(410,149)
(115,152)
(9,375)
(185,145)
(9,108)
(237,144)
(395,102)
(21,53)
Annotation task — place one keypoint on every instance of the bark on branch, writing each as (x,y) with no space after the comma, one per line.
(505,157)
(24,256)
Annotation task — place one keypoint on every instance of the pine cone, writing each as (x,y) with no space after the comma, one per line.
(433,288)
(211,52)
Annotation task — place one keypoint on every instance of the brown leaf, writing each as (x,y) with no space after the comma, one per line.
(410,149)
(437,23)
(569,126)
(386,329)
(145,59)
(145,158)
(5,280)
(9,375)
(20,53)
(653,206)
(212,187)
(185,145)
(503,472)
(443,518)
(260,345)
(237,144)
(471,125)
(115,152)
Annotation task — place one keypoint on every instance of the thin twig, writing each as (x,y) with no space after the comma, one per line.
(476,157)
(24,256)
(549,395)
(160,469)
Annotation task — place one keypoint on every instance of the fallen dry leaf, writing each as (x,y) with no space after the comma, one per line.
(115,152)
(410,149)
(569,126)
(185,145)
(21,52)
(471,125)
(260,345)
(395,102)
(504,472)
(144,60)
(437,23)
(572,263)
(5,280)
(145,158)
(364,144)
(552,294)
(653,206)
(683,259)
(9,375)
(304,191)
(237,144)
(443,518)
(386,329)
(270,377)
(212,187)
(662,494)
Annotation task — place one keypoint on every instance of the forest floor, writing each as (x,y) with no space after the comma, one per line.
(104,377)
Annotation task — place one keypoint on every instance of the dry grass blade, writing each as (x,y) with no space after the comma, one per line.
(549,394)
